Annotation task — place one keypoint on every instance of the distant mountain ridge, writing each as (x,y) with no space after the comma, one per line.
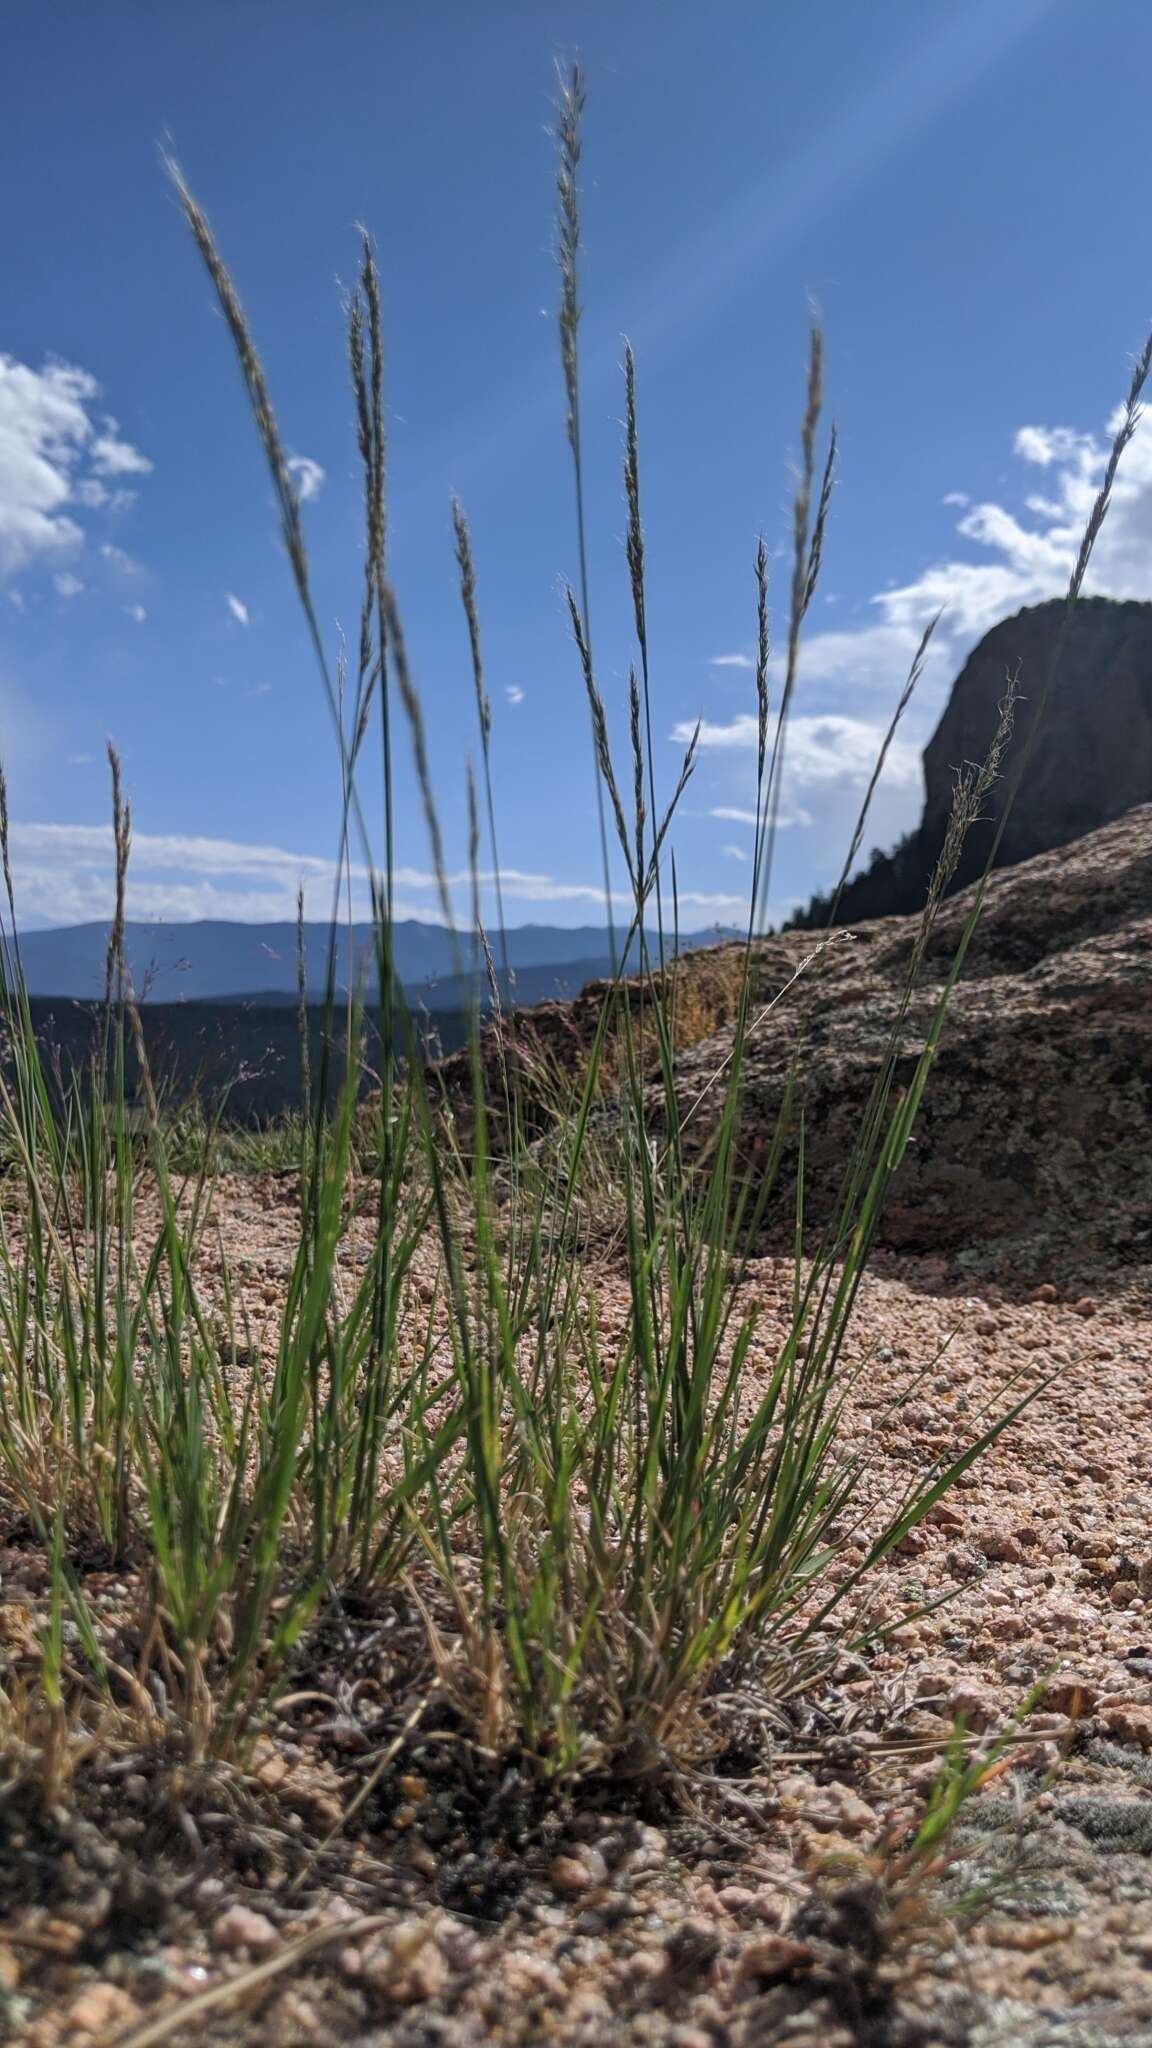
(217,960)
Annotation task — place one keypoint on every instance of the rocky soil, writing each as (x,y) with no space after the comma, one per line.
(370,1876)
(761,1900)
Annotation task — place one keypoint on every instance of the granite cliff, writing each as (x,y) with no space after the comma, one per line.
(1091,760)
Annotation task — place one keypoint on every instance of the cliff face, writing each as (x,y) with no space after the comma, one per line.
(1092,758)
(1091,761)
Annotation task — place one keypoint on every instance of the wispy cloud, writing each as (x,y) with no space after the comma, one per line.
(52,459)
(136,612)
(731,661)
(63,874)
(789,814)
(111,455)
(514,693)
(67,585)
(308,475)
(239,611)
(734,852)
(119,558)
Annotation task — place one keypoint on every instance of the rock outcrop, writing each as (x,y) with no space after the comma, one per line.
(1033,1151)
(1090,762)
(1032,1157)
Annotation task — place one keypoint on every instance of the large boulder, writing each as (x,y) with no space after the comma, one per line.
(1032,1157)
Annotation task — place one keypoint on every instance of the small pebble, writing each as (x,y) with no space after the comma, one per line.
(240,1927)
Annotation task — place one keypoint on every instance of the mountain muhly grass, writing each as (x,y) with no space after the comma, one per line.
(592,1515)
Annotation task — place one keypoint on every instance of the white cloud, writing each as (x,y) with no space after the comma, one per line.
(113,456)
(1027,555)
(63,874)
(43,429)
(731,661)
(308,475)
(514,693)
(1044,445)
(239,611)
(117,558)
(51,460)
(793,814)
(820,750)
(136,612)
(844,750)
(734,852)
(740,732)
(67,585)
(871,657)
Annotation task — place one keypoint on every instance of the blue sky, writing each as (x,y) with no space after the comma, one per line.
(963,187)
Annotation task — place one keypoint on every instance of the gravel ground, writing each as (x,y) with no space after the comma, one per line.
(762,1902)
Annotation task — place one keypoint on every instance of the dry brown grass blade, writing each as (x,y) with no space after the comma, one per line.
(760,1018)
(410,698)
(466,564)
(762,655)
(115,966)
(191,2009)
(569,112)
(606,770)
(254,378)
(387,1756)
(807,554)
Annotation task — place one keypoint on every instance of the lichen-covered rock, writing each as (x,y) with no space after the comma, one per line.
(1031,1156)
(1033,1141)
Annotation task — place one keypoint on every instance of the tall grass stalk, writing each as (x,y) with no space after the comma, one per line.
(569,151)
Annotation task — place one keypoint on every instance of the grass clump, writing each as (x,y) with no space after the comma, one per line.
(590,1511)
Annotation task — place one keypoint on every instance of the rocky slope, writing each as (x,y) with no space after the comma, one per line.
(1034,1133)
(1091,760)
